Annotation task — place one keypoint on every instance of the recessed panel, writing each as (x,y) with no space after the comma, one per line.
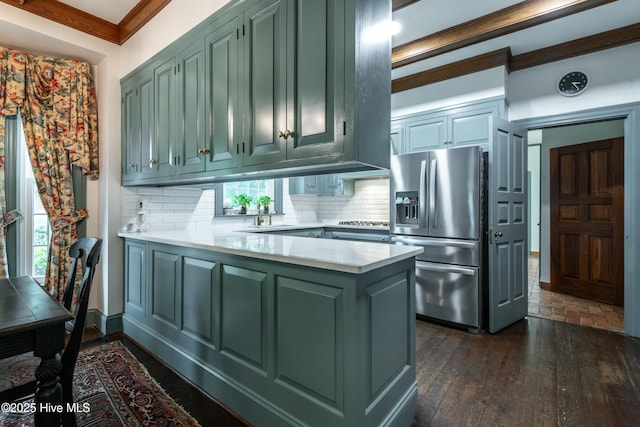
(603,213)
(569,212)
(503,269)
(519,168)
(567,175)
(197,298)
(599,172)
(519,213)
(243,329)
(601,252)
(569,255)
(519,263)
(503,213)
(165,280)
(501,161)
(389,307)
(309,349)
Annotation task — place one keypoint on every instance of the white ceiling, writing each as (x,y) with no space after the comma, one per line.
(110,10)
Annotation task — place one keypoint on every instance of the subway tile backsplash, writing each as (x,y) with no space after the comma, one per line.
(175,208)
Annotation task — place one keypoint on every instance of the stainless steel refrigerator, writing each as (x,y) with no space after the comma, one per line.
(438,201)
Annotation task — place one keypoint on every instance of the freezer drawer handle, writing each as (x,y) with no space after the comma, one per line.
(446,269)
(469,245)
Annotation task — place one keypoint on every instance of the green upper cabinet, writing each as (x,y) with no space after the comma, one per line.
(137,125)
(266,85)
(160,162)
(191,115)
(222,54)
(316,49)
(265,82)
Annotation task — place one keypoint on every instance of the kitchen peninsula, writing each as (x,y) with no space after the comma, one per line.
(283,330)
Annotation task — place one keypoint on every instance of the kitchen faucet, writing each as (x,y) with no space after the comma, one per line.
(259,218)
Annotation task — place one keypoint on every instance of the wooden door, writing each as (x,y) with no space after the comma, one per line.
(587,220)
(508,247)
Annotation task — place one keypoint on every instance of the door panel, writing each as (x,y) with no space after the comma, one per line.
(507,201)
(192,94)
(587,220)
(265,77)
(222,95)
(165,116)
(318,47)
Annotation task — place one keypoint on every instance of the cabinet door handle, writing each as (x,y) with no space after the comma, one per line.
(132,165)
(286,134)
(205,151)
(152,162)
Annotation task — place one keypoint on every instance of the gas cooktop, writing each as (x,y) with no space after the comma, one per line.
(365,223)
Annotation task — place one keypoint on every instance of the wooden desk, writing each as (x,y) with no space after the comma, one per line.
(32,320)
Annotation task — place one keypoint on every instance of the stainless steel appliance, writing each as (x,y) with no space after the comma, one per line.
(438,202)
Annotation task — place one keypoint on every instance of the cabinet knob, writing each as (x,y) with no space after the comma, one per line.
(152,162)
(204,150)
(132,165)
(286,134)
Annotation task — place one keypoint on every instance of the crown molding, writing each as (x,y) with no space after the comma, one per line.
(504,21)
(90,24)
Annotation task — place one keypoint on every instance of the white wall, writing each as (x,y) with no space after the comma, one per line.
(535,140)
(613,80)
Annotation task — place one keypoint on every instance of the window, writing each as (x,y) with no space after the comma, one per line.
(264,187)
(28,238)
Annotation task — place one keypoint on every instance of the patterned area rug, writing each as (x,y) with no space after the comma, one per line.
(111,388)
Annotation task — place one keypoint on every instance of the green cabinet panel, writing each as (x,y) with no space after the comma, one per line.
(223,102)
(135,273)
(313,361)
(165,288)
(244,315)
(137,125)
(316,49)
(191,117)
(265,83)
(160,161)
(198,302)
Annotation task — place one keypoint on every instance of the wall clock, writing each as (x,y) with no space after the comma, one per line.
(573,83)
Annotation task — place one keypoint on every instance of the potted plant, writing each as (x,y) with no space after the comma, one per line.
(264,201)
(243,201)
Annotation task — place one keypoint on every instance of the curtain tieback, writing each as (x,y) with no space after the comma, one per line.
(10,217)
(62,221)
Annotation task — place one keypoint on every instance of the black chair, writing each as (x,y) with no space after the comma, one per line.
(88,251)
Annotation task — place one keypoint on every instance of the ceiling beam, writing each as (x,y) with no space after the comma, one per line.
(455,69)
(139,16)
(582,46)
(504,21)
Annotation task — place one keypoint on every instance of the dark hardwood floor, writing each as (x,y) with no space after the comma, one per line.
(537,372)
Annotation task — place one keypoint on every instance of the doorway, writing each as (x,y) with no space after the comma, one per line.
(544,303)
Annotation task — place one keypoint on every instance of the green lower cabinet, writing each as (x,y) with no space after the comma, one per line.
(280,344)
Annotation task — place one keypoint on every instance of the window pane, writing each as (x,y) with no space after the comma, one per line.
(253,189)
(40,230)
(40,260)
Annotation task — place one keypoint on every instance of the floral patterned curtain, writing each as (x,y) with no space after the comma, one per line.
(56,98)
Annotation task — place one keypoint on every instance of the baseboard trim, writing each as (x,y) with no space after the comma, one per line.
(546,286)
(108,325)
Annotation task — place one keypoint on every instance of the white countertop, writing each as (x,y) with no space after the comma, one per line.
(338,255)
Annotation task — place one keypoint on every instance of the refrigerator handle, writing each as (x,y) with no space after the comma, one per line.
(432,193)
(422,198)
